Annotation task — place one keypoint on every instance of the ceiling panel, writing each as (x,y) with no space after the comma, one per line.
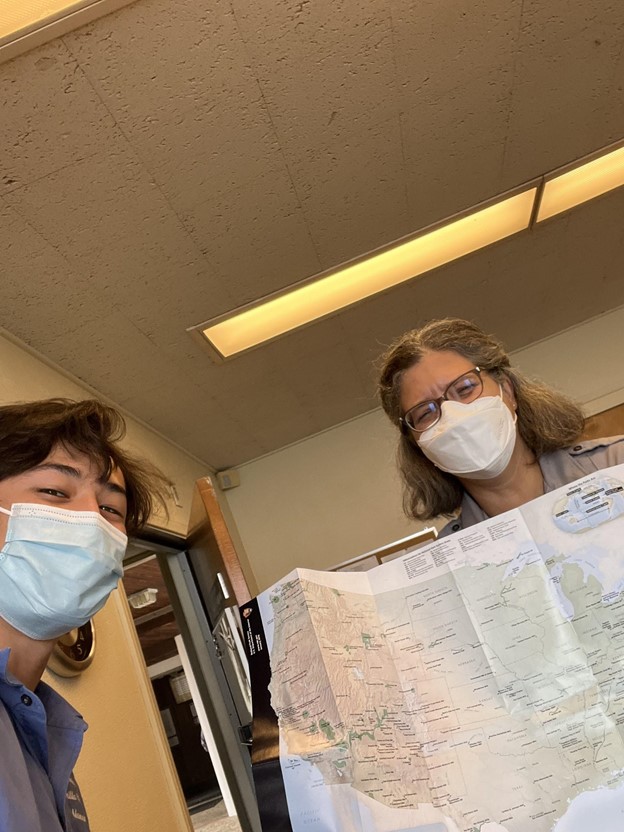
(93,202)
(350,211)
(51,116)
(567,98)
(256,236)
(326,69)
(152,55)
(34,281)
(167,163)
(441,45)
(454,154)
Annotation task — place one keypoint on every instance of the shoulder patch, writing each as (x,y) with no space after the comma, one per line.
(594,444)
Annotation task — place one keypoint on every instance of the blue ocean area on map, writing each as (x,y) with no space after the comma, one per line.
(601,810)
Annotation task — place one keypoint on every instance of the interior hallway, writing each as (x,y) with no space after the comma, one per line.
(214,819)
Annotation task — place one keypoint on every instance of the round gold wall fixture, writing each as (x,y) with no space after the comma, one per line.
(74,651)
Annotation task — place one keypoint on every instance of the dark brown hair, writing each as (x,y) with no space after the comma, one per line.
(547,420)
(29,431)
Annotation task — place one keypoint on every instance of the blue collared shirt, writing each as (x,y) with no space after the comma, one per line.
(40,739)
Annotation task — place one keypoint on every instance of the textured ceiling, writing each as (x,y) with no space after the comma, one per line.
(171,162)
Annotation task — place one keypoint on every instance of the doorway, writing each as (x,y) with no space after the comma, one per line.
(157,629)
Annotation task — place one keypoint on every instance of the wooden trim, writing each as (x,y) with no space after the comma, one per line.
(417,539)
(209,531)
(608,423)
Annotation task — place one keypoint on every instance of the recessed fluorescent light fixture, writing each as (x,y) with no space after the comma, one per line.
(25,25)
(327,293)
(581,183)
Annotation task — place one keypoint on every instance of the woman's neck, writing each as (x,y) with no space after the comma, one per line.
(521,481)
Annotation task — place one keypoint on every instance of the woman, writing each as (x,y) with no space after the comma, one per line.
(477,436)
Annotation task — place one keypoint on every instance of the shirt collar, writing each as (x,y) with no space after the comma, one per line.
(59,712)
(5,675)
(471,511)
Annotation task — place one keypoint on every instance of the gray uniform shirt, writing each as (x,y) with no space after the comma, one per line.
(558,468)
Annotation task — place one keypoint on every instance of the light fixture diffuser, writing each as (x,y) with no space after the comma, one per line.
(359,280)
(26,24)
(582,183)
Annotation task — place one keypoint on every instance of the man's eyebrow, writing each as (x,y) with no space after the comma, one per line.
(77,474)
(61,469)
(112,486)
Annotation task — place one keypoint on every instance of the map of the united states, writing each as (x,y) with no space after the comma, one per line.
(476,685)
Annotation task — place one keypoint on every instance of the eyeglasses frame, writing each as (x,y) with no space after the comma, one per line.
(407,430)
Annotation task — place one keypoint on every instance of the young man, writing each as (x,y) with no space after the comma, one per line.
(68,497)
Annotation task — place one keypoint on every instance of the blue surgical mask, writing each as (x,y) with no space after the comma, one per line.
(57,568)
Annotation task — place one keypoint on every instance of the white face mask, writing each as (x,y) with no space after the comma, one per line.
(57,568)
(474,440)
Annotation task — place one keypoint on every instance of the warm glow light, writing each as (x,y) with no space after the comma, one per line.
(582,183)
(25,24)
(20,15)
(367,277)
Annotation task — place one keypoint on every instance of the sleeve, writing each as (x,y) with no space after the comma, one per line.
(599,453)
(615,451)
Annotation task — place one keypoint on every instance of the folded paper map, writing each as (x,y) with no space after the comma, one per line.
(473,685)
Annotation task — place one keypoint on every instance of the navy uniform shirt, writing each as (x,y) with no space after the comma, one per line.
(558,468)
(40,739)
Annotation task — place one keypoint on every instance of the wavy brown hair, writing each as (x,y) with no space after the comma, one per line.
(547,420)
(29,431)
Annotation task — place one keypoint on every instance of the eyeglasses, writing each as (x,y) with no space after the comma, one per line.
(423,416)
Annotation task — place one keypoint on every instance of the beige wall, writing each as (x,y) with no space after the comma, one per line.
(321,501)
(336,495)
(125,770)
(584,361)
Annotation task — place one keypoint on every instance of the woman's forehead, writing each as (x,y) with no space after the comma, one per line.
(438,366)
(431,375)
